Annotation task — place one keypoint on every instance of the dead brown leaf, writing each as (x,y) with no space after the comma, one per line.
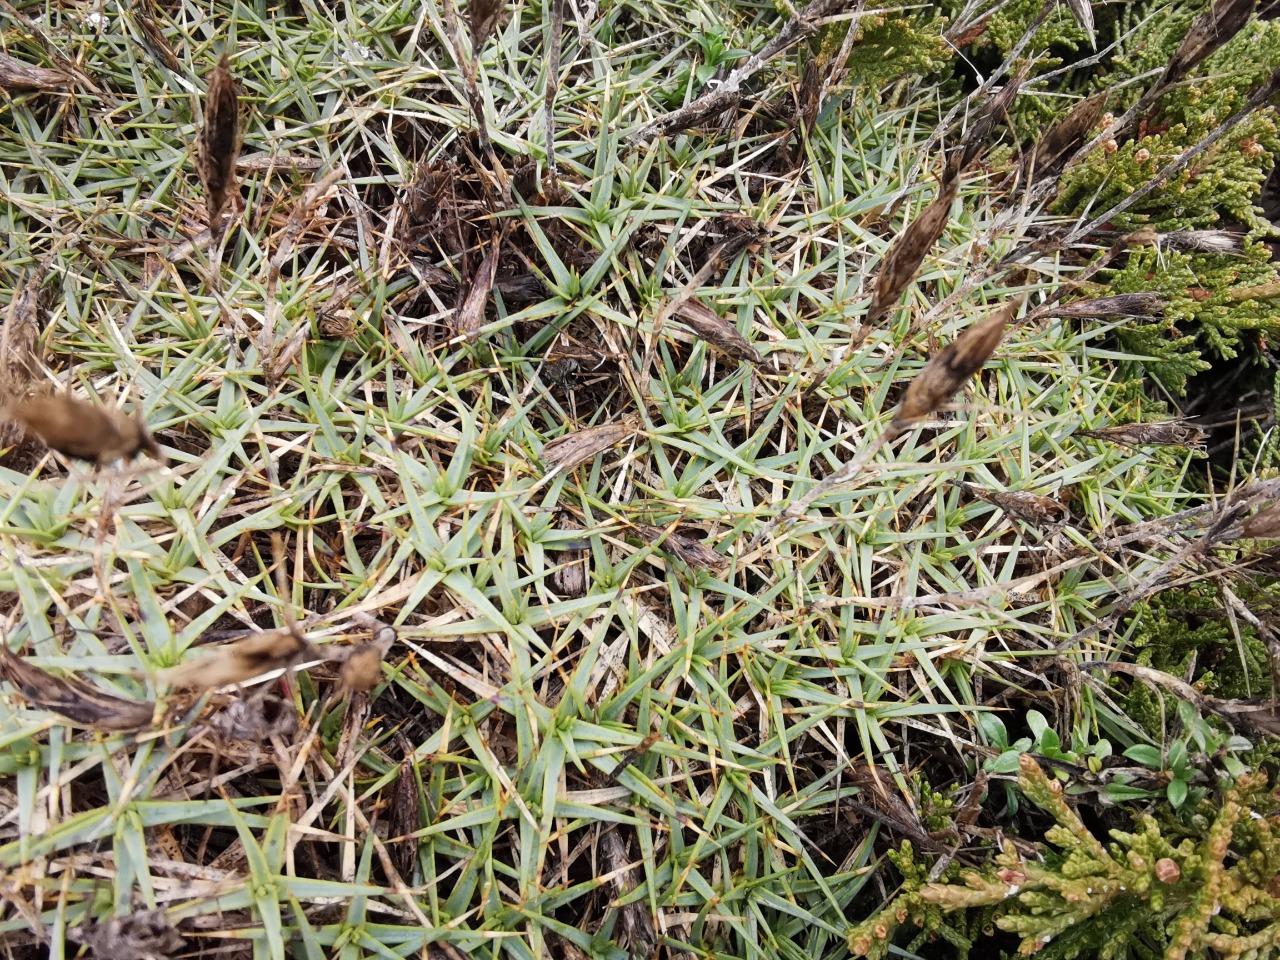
(220,142)
(74,699)
(716,331)
(568,451)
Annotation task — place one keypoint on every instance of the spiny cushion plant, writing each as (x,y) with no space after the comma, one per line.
(551,505)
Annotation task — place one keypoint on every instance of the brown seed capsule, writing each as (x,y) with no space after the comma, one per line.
(1121,305)
(1068,134)
(1208,33)
(219,144)
(1030,507)
(982,132)
(83,430)
(693,552)
(238,662)
(18,76)
(483,15)
(72,698)
(1168,871)
(907,252)
(574,448)
(947,372)
(716,331)
(1263,525)
(1171,433)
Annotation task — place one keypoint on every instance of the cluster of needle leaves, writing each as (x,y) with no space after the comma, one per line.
(519,356)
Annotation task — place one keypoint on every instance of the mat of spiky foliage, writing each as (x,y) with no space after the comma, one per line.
(417,478)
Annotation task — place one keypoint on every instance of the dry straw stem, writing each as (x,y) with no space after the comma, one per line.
(718,332)
(565,453)
(19,77)
(554,45)
(219,145)
(73,699)
(83,430)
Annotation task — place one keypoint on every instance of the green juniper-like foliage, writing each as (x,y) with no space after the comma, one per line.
(1163,889)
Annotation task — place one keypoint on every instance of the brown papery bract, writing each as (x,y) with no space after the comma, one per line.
(947,372)
(483,15)
(219,145)
(72,698)
(1208,33)
(581,445)
(903,260)
(1067,134)
(1169,433)
(18,76)
(81,429)
(238,662)
(718,332)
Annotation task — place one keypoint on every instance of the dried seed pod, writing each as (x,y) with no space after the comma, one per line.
(258,719)
(947,372)
(568,451)
(142,935)
(1121,305)
(1208,33)
(716,331)
(905,255)
(80,429)
(238,662)
(981,133)
(1067,135)
(72,698)
(1172,433)
(1030,507)
(220,142)
(16,76)
(1263,525)
(693,552)
(483,15)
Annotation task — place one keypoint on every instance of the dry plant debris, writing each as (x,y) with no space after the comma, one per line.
(434,357)
(81,429)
